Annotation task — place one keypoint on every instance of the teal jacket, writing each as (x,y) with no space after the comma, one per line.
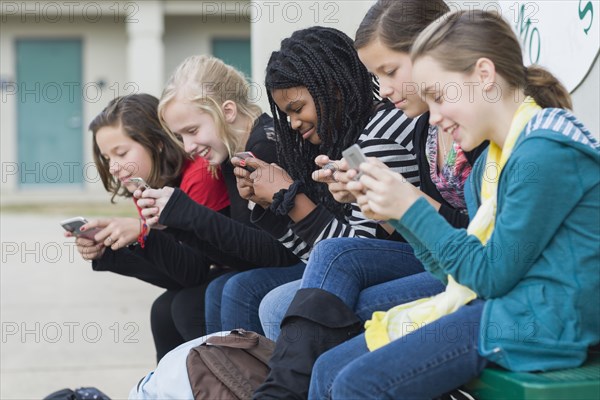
(540,271)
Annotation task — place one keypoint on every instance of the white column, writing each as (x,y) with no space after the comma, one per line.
(145,49)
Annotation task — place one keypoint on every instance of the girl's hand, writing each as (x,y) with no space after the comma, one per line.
(89,249)
(384,194)
(245,185)
(116,233)
(267,179)
(152,202)
(336,175)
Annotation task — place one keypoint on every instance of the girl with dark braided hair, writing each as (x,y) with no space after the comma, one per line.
(322,99)
(324,62)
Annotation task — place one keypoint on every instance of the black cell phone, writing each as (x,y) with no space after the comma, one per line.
(243,155)
(354,157)
(74,224)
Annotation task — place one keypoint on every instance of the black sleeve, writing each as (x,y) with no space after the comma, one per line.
(279,228)
(262,142)
(125,262)
(264,150)
(254,246)
(266,220)
(454,216)
(163,261)
(184,236)
(187,265)
(474,154)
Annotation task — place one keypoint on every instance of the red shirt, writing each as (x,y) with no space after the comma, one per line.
(198,182)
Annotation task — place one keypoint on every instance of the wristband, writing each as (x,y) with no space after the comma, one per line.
(285,199)
(143,233)
(143,227)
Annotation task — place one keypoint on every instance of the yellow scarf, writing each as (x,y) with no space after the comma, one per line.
(405,318)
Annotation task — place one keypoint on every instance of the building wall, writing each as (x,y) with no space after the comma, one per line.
(192,35)
(104,58)
(274,21)
(188,29)
(108,55)
(586,100)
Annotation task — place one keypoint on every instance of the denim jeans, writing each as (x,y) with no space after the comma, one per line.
(424,364)
(368,275)
(212,301)
(232,300)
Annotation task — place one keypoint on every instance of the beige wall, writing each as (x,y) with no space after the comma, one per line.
(189,35)
(586,100)
(188,29)
(273,21)
(104,57)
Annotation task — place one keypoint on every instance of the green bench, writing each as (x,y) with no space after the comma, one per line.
(581,383)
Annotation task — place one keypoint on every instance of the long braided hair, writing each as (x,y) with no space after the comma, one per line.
(325,62)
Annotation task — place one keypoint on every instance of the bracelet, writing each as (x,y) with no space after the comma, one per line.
(141,239)
(143,233)
(285,199)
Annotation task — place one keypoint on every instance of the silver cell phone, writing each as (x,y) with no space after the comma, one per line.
(139,182)
(331,166)
(74,225)
(244,154)
(354,157)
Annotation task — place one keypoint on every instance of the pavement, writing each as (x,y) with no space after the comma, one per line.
(62,324)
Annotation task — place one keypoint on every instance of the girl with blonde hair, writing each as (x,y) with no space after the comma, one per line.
(206,104)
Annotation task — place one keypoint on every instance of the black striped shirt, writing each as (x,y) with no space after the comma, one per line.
(389,137)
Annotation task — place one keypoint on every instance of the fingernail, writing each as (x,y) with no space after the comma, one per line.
(82,229)
(243,163)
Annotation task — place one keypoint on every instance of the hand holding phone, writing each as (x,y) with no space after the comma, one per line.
(74,225)
(354,157)
(242,156)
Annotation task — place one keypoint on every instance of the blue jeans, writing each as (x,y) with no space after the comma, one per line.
(232,300)
(368,275)
(424,364)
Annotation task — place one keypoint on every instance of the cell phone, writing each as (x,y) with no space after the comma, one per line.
(354,157)
(140,183)
(74,224)
(243,155)
(331,166)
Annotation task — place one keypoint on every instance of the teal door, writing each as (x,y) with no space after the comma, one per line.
(49,112)
(235,52)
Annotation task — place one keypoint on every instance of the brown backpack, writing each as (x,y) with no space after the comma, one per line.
(229,367)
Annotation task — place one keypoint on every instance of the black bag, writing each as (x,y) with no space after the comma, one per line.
(84,393)
(229,367)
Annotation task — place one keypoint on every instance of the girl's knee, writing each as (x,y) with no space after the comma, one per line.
(346,385)
(239,283)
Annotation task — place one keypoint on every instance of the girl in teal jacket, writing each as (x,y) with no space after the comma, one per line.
(524,278)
